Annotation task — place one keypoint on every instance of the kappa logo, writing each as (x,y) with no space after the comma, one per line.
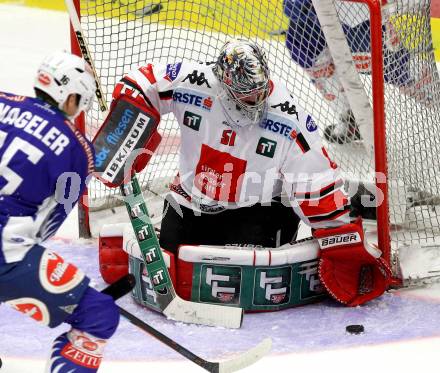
(287,107)
(58,276)
(192,120)
(343,239)
(197,78)
(266,147)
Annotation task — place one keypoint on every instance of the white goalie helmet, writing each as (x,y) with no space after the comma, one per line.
(62,74)
(243,72)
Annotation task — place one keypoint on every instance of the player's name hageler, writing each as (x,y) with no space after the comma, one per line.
(114,136)
(34,125)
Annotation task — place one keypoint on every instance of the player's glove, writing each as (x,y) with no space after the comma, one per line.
(351,272)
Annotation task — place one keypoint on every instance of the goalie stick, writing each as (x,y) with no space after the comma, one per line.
(120,287)
(171,304)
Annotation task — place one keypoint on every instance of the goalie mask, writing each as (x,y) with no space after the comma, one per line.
(62,74)
(243,73)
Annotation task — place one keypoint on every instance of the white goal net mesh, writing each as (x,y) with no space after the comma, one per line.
(125,33)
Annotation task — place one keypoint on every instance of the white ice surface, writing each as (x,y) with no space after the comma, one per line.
(402,330)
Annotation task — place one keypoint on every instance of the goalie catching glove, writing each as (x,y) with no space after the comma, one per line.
(351,272)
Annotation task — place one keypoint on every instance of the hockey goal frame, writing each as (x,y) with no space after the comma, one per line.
(379,123)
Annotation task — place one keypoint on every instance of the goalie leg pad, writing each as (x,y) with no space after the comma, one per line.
(260,279)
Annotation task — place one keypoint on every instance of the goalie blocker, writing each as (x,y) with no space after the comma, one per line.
(126,141)
(255,279)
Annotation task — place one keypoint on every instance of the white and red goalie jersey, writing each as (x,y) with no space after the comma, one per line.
(225,166)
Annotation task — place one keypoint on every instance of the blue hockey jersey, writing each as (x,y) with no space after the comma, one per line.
(44,162)
(305,40)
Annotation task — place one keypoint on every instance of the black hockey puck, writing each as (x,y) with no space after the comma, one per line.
(355,329)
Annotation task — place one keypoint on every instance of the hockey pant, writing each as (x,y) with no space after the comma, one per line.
(52,291)
(265,226)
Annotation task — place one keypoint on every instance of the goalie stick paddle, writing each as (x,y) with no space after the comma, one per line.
(238,362)
(169,302)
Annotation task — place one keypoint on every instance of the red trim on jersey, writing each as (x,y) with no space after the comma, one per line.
(118,90)
(320,219)
(325,205)
(147,71)
(270,257)
(255,258)
(321,192)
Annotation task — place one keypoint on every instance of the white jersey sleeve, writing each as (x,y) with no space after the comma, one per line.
(151,84)
(313,182)
(223,166)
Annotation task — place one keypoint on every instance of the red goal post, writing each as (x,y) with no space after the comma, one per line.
(403,105)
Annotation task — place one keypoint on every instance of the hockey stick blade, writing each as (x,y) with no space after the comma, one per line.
(120,287)
(204,314)
(246,358)
(238,362)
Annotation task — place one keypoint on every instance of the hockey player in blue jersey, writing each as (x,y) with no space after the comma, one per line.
(40,149)
(308,48)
